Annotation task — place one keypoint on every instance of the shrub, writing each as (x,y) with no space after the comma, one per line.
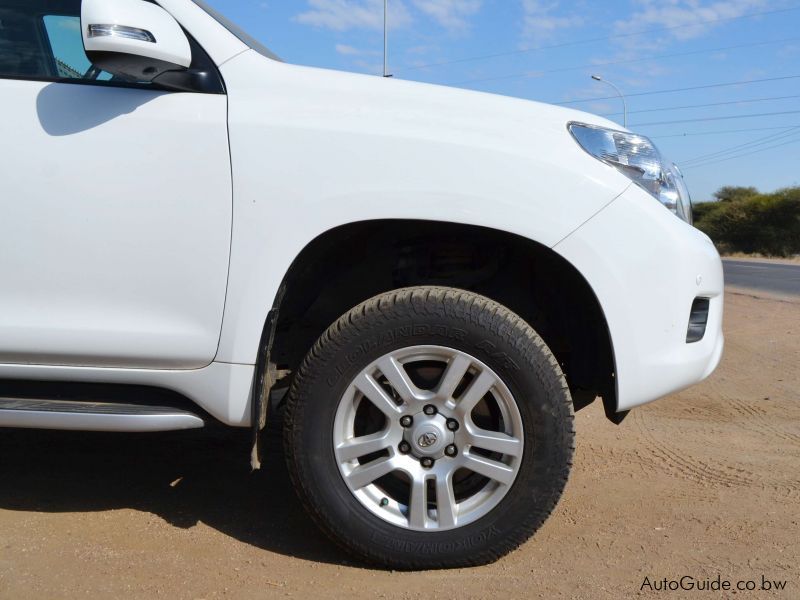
(743,220)
(731,193)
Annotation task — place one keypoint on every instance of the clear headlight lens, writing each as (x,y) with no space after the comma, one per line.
(637,158)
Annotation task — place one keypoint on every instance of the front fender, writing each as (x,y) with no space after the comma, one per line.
(313,150)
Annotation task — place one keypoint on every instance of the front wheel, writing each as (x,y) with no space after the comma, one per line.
(429,428)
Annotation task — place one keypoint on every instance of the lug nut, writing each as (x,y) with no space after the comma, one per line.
(452,424)
(406,421)
(426,462)
(451,450)
(404,447)
(429,410)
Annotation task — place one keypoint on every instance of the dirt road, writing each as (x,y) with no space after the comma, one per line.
(703,483)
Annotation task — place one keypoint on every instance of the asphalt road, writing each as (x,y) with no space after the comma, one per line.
(765,276)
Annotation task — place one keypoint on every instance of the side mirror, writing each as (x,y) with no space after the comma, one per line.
(133,39)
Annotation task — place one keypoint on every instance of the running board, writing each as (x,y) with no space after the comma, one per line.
(93,416)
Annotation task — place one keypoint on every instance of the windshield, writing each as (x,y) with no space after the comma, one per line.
(237,31)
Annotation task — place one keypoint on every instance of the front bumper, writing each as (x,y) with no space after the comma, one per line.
(646,268)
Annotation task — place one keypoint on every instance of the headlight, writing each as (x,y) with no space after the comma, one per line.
(637,158)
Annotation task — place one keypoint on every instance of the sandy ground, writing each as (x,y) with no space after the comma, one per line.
(702,483)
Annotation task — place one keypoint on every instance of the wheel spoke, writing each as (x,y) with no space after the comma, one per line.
(454,373)
(399,379)
(375,394)
(418,508)
(477,390)
(366,474)
(489,468)
(361,446)
(489,451)
(494,441)
(445,501)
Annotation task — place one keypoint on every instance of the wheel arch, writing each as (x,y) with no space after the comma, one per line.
(350,263)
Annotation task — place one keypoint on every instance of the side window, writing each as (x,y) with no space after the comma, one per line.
(21,52)
(64,35)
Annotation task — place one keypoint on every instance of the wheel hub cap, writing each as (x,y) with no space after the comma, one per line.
(429,436)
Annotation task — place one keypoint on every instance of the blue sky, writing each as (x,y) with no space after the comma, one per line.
(546,50)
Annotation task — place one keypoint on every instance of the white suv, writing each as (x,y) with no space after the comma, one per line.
(438,278)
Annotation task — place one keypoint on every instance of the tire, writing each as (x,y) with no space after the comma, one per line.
(445,515)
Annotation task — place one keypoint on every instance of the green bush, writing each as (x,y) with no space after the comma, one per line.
(731,193)
(743,220)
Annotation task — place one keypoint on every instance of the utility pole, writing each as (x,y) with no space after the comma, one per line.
(621,95)
(386,39)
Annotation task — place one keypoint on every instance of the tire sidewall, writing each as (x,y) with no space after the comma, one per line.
(522,362)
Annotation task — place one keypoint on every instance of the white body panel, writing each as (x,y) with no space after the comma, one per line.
(217,41)
(646,267)
(325,149)
(310,150)
(116,224)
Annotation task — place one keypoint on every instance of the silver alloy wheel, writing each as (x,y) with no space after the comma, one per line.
(437,470)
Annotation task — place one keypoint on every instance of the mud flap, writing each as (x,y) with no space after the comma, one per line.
(266,376)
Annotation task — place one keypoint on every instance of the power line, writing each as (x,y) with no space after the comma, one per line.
(768,114)
(684,89)
(768,139)
(589,40)
(720,132)
(665,108)
(713,162)
(742,155)
(624,62)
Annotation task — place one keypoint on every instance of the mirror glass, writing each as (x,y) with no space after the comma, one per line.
(64,35)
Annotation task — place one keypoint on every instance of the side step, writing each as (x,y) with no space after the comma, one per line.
(76,415)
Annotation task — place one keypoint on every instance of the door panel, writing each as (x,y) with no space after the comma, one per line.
(115,223)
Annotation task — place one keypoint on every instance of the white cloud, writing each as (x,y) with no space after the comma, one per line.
(346,50)
(451,14)
(682,16)
(341,15)
(539,23)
